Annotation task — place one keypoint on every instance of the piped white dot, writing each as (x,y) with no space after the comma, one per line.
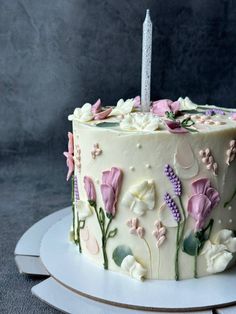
(148,166)
(230,221)
(230,208)
(138,145)
(219,221)
(131,168)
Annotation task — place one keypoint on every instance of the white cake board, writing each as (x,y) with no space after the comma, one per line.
(63,261)
(50,291)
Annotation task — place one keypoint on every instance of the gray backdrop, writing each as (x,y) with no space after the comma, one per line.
(58,54)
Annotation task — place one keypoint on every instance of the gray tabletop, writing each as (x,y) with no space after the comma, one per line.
(32,186)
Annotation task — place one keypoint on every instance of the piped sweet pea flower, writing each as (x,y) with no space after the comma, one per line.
(140,198)
(133,268)
(70,155)
(160,107)
(203,200)
(219,251)
(123,107)
(90,112)
(186,104)
(140,122)
(89,188)
(84,209)
(175,127)
(110,188)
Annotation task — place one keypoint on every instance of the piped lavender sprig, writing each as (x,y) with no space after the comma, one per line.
(212,112)
(76,189)
(174,179)
(173,207)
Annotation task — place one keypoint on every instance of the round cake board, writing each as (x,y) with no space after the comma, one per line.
(64,263)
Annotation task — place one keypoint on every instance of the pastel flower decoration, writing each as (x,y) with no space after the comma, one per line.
(110,188)
(135,228)
(212,112)
(203,200)
(139,122)
(219,252)
(175,127)
(103,114)
(84,209)
(89,188)
(159,233)
(174,179)
(140,198)
(70,155)
(186,104)
(123,107)
(173,207)
(83,114)
(133,268)
(233,116)
(137,102)
(97,107)
(160,107)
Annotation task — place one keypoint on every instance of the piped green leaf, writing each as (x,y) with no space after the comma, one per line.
(107,124)
(191,244)
(120,253)
(112,233)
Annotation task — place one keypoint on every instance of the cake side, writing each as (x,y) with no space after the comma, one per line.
(174,216)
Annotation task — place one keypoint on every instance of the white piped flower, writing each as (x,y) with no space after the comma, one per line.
(84,209)
(83,114)
(140,198)
(140,122)
(186,104)
(131,266)
(218,253)
(123,107)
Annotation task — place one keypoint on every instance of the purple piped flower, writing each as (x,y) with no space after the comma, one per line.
(174,179)
(212,112)
(76,188)
(173,207)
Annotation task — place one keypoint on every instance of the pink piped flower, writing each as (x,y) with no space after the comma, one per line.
(233,116)
(160,107)
(70,156)
(175,127)
(203,200)
(134,227)
(110,188)
(96,107)
(98,113)
(89,188)
(137,102)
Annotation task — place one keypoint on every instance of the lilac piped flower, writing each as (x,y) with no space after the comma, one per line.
(212,112)
(173,207)
(76,188)
(174,179)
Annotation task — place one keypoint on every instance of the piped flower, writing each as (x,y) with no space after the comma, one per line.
(218,252)
(89,188)
(186,104)
(131,266)
(173,207)
(90,112)
(135,228)
(203,200)
(110,188)
(174,179)
(160,107)
(123,107)
(139,122)
(175,127)
(233,116)
(140,198)
(84,209)
(70,155)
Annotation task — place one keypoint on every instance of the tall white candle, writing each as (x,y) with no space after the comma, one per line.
(146,63)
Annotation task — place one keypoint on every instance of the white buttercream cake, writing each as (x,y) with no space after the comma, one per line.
(154,193)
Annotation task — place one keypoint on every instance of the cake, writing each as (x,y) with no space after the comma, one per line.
(154,193)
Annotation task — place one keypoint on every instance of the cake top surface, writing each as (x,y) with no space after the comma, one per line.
(178,117)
